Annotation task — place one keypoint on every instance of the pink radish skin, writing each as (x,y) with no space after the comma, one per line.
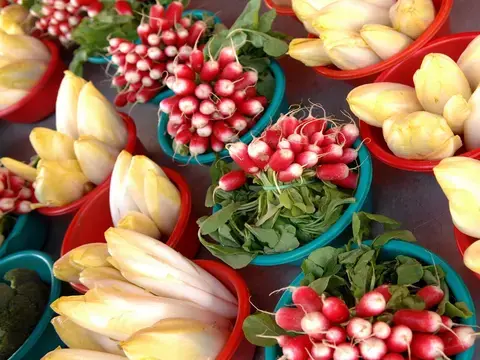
(118,59)
(287,125)
(155,54)
(463,339)
(199,120)
(223,87)
(156,13)
(239,153)
(336,335)
(237,122)
(313,148)
(196,60)
(296,348)
(330,172)
(119,81)
(321,352)
(317,138)
(289,319)
(22,207)
(331,154)
(205,131)
(292,172)
(143,30)
(184,52)
(381,330)
(307,159)
(418,320)
(372,303)
(250,107)
(207,107)
(8,194)
(232,180)
(373,349)
(209,71)
(183,136)
(447,322)
(157,71)
(217,116)
(173,13)
(232,71)
(284,144)
(281,159)
(346,351)
(198,145)
(359,328)
(183,87)
(153,40)
(172,129)
(239,96)
(350,133)
(427,346)
(329,139)
(188,105)
(144,64)
(306,298)
(248,78)
(393,356)
(216,144)
(195,32)
(432,295)
(226,107)
(310,127)
(185,22)
(203,91)
(141,50)
(261,99)
(184,71)
(169,37)
(399,339)
(272,137)
(168,104)
(170,66)
(171,51)
(7,204)
(335,310)
(349,155)
(350,182)
(297,142)
(176,116)
(182,37)
(226,56)
(260,154)
(314,324)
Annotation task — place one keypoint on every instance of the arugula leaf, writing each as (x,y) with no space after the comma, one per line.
(459,309)
(361,224)
(264,325)
(213,222)
(409,273)
(384,238)
(320,284)
(266,21)
(249,16)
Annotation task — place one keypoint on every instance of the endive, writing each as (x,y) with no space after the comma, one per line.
(9,97)
(471,126)
(15,12)
(382,3)
(349,15)
(308,51)
(92,279)
(66,165)
(89,276)
(471,257)
(76,354)
(412,17)
(52,145)
(66,105)
(141,223)
(23,74)
(438,79)
(307,10)
(23,170)
(95,158)
(469,62)
(347,50)
(98,118)
(456,111)
(22,47)
(385,41)
(376,102)
(176,339)
(420,136)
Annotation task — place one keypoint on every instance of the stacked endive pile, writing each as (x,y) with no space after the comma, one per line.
(424,123)
(353,34)
(145,301)
(23,58)
(81,153)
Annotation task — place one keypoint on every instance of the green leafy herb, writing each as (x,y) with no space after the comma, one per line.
(259,327)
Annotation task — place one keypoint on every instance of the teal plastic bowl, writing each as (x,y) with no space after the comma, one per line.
(458,289)
(29,233)
(43,338)
(277,106)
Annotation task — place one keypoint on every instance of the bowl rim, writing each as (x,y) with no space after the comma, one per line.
(387,157)
(281,10)
(55,289)
(208,158)
(459,289)
(440,19)
(74,206)
(34,91)
(20,223)
(174,238)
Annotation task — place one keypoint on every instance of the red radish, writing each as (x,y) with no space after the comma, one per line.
(350,182)
(346,351)
(174,12)
(170,66)
(239,153)
(226,56)
(372,303)
(250,107)
(176,116)
(205,131)
(169,37)
(16,183)
(248,78)
(313,148)
(226,107)
(186,22)
(153,39)
(249,92)
(209,71)
(359,328)
(146,93)
(126,47)
(188,104)
(297,142)
(183,87)
(7,204)
(321,352)
(232,71)
(168,104)
(172,129)
(335,310)
(145,65)
(170,51)
(447,322)
(132,95)
(418,320)
(195,32)
(216,144)
(287,125)
(292,172)
(307,159)
(330,172)
(53,30)
(317,138)
(94,8)
(373,349)
(184,71)
(393,356)
(261,99)
(184,52)
(238,96)
(350,133)
(336,335)
(22,207)
(284,144)
(232,180)
(260,153)
(132,58)
(223,132)
(237,121)
(427,346)
(399,339)
(349,155)
(64,27)
(462,339)
(196,60)
(310,127)
(156,14)
(329,139)
(203,91)
(281,159)
(296,348)
(199,120)
(155,53)
(133,76)
(183,136)
(182,36)
(272,137)
(207,107)
(25,193)
(223,87)
(2,187)
(289,318)
(305,297)
(74,21)
(381,330)
(8,194)
(331,154)
(314,324)
(143,30)
(198,145)
(432,295)
(123,8)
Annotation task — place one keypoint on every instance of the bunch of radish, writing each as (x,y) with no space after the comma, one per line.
(16,194)
(333,331)
(291,146)
(167,40)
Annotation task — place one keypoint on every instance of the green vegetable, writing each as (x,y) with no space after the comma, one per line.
(259,329)
(21,306)
(7,222)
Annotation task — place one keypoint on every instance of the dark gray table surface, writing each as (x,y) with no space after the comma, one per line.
(414,199)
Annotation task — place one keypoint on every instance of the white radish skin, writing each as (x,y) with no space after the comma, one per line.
(292,172)
(188,105)
(346,351)
(372,303)
(399,339)
(226,107)
(315,324)
(307,159)
(284,144)
(381,330)
(373,349)
(199,120)
(336,335)
(358,328)
(205,131)
(260,153)
(321,352)
(207,107)
(203,91)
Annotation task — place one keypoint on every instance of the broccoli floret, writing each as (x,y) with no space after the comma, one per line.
(21,306)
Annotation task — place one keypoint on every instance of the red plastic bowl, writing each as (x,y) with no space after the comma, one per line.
(235,283)
(93,219)
(40,101)
(134,146)
(281,10)
(463,242)
(453,46)
(439,27)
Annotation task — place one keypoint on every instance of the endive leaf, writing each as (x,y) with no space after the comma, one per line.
(76,354)
(140,223)
(20,169)
(52,145)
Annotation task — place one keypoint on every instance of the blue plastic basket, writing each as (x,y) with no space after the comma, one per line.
(458,289)
(29,233)
(43,338)
(277,106)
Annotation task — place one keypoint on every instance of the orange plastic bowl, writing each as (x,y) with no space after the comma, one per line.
(93,219)
(235,283)
(40,101)
(463,242)
(439,27)
(281,10)
(453,46)
(134,146)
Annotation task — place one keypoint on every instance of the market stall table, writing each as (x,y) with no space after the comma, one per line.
(414,199)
